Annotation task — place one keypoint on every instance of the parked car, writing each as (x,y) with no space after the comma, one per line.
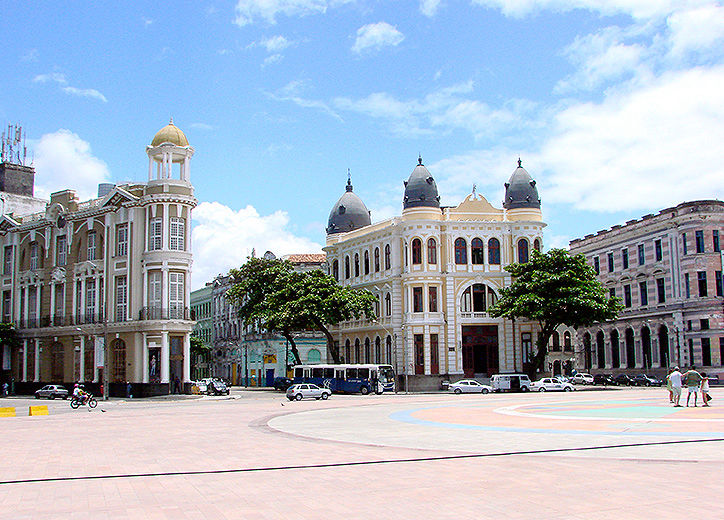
(510,383)
(562,379)
(582,379)
(201,385)
(549,384)
(469,386)
(623,380)
(603,379)
(644,380)
(216,386)
(282,383)
(52,391)
(307,391)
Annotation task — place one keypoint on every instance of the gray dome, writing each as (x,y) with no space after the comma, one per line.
(349,213)
(520,191)
(420,189)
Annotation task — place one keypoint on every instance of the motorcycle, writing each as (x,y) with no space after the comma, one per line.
(76,402)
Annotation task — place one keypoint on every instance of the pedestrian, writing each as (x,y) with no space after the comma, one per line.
(129,390)
(704,389)
(675,379)
(693,379)
(668,386)
(5,389)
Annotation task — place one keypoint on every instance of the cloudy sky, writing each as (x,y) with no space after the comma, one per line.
(616,107)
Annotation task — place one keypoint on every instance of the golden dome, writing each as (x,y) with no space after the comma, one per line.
(170,134)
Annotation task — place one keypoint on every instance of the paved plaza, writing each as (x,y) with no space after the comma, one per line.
(588,455)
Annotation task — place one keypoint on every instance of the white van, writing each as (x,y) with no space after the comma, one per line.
(510,383)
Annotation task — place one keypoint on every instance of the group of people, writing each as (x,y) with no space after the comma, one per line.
(695,382)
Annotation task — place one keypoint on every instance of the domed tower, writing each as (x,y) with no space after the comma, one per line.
(348,213)
(168,147)
(420,189)
(521,196)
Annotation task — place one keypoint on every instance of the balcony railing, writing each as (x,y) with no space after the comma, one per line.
(92,317)
(163,313)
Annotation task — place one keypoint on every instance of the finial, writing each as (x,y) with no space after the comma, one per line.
(349,180)
(171,121)
(520,163)
(474,188)
(419,159)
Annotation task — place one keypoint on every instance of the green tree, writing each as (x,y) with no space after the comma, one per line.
(271,295)
(554,289)
(9,335)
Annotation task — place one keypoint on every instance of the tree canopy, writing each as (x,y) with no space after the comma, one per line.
(270,294)
(554,289)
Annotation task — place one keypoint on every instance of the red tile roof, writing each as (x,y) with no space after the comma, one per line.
(306,258)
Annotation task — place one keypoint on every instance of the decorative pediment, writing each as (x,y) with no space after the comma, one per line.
(117,197)
(7,223)
(29,278)
(87,268)
(57,275)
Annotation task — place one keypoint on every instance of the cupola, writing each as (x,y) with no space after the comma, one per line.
(348,213)
(420,189)
(520,191)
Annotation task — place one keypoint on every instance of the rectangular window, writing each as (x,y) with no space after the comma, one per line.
(32,305)
(704,324)
(721,352)
(596,265)
(59,304)
(706,352)
(434,355)
(433,299)
(33,256)
(418,340)
(121,298)
(155,231)
(526,343)
(700,241)
(154,295)
(642,255)
(90,300)
(657,250)
(624,258)
(417,299)
(687,285)
(8,260)
(661,290)
(176,295)
(91,245)
(79,301)
(643,293)
(684,244)
(627,295)
(715,238)
(122,240)
(61,251)
(701,281)
(177,234)
(7,307)
(719,289)
(612,292)
(610,262)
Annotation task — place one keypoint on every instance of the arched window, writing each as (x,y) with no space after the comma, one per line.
(347,351)
(314,356)
(357,353)
(600,350)
(416,251)
(431,251)
(461,252)
(367,262)
(494,251)
(567,346)
(615,350)
(388,257)
(555,342)
(378,350)
(388,349)
(478,298)
(377,259)
(368,353)
(522,251)
(377,306)
(335,269)
(388,305)
(356,264)
(346,267)
(536,244)
(476,251)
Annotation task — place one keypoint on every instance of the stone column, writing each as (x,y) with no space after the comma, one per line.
(187,358)
(36,376)
(25,360)
(81,375)
(165,365)
(144,351)
(52,303)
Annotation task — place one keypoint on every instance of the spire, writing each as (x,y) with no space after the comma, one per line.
(419,159)
(520,163)
(171,121)
(349,180)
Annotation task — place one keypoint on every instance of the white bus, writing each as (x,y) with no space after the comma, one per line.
(362,378)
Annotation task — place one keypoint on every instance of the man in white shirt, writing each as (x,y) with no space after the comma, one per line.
(675,379)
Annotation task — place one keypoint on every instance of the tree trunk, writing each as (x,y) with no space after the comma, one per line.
(542,343)
(297,360)
(330,342)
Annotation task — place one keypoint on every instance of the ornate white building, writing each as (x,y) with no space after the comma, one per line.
(115,268)
(436,271)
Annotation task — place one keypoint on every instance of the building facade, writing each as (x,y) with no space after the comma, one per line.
(110,276)
(667,270)
(436,271)
(202,313)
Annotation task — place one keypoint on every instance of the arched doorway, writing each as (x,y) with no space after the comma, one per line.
(600,350)
(615,350)
(630,349)
(646,347)
(664,347)
(587,364)
(557,367)
(119,361)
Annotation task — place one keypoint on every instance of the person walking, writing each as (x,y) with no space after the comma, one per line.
(668,386)
(675,380)
(704,389)
(693,379)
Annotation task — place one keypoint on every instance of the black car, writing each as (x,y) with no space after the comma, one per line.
(623,380)
(603,379)
(282,383)
(644,380)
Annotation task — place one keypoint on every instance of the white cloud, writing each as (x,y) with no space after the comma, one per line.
(375,36)
(146,21)
(62,81)
(64,161)
(202,126)
(56,77)
(30,56)
(275,44)
(223,238)
(249,11)
(697,30)
(292,92)
(85,92)
(634,8)
(429,7)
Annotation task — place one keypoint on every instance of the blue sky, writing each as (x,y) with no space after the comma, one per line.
(616,107)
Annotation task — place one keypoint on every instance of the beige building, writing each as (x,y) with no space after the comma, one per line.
(113,270)
(436,271)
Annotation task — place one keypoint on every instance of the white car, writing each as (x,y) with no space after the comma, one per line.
(582,379)
(307,391)
(469,386)
(548,384)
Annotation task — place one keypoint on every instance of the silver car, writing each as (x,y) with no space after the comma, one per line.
(307,391)
(51,392)
(469,386)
